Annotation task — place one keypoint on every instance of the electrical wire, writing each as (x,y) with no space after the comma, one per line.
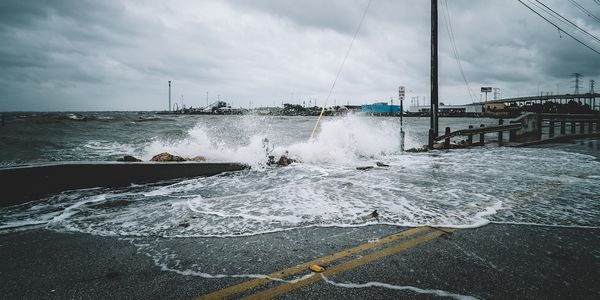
(566,20)
(449,29)
(560,29)
(587,12)
(339,71)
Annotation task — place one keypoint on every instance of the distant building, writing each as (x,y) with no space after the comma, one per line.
(380,108)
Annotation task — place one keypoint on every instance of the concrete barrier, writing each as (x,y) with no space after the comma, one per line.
(29,182)
(530,130)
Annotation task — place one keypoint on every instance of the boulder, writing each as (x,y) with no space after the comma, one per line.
(197,158)
(166,157)
(284,160)
(129,158)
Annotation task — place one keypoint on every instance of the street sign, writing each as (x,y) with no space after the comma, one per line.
(486,89)
(401,93)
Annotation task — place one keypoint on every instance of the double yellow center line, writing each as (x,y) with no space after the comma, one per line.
(342,267)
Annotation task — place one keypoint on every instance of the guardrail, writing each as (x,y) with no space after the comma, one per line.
(529,128)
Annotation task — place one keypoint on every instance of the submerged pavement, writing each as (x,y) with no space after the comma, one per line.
(497,261)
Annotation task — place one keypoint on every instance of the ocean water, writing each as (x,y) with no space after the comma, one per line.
(552,185)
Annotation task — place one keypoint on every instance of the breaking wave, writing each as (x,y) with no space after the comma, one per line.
(462,188)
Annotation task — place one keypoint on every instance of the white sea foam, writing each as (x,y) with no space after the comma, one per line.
(462,188)
(339,141)
(375,284)
(103,148)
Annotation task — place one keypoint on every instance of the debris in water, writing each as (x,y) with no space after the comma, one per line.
(380,164)
(373,214)
(184,225)
(364,168)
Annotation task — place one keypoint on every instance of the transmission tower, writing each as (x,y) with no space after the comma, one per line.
(577,81)
(592,86)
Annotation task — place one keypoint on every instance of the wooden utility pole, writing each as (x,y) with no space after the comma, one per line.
(434,70)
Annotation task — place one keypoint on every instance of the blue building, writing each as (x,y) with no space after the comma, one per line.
(380,108)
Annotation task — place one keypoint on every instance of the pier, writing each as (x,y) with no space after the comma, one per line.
(589,99)
(528,129)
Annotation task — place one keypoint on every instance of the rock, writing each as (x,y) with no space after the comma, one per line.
(380,164)
(184,225)
(284,160)
(364,168)
(129,158)
(166,157)
(197,158)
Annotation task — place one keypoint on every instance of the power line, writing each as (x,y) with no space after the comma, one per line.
(587,12)
(446,14)
(340,69)
(568,21)
(560,29)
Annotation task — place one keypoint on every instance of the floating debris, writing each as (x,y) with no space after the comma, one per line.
(373,214)
(380,164)
(364,168)
(184,225)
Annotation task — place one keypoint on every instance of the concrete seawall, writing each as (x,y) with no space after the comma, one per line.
(29,182)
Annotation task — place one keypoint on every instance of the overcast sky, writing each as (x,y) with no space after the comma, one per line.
(119,55)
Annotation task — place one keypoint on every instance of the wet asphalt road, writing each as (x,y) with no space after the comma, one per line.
(492,262)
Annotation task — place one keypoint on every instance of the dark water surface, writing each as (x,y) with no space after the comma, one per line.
(553,185)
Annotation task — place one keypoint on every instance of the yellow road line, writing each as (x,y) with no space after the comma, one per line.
(238,288)
(285,288)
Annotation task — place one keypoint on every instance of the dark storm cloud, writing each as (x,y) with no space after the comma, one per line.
(336,15)
(120,54)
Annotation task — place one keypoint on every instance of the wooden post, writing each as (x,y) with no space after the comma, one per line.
(590,126)
(500,137)
(431,137)
(447,140)
(538,123)
(512,135)
(551,128)
(482,136)
(470,138)
(563,127)
(434,68)
(582,127)
(573,128)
